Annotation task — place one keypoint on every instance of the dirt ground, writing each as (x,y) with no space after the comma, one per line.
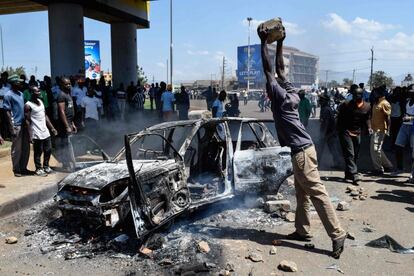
(233,230)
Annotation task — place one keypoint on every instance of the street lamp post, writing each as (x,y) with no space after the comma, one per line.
(2,49)
(171,44)
(249,19)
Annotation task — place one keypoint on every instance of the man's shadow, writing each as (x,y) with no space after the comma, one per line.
(258,236)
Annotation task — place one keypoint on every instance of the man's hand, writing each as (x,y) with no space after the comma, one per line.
(261,33)
(69,130)
(370,131)
(54,132)
(75,129)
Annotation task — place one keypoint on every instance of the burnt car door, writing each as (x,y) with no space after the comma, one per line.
(259,162)
(157,188)
(86,152)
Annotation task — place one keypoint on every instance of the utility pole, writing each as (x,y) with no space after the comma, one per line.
(372,67)
(353,76)
(171,44)
(223,72)
(249,19)
(167,72)
(2,49)
(326,78)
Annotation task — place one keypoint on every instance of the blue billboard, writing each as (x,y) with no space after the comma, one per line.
(92,59)
(255,74)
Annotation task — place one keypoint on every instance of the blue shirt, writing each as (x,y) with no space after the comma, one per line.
(167,99)
(14,103)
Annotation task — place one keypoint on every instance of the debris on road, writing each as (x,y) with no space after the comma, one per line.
(350,236)
(287,266)
(343,206)
(11,240)
(28,232)
(146,252)
(277,205)
(368,229)
(336,267)
(388,242)
(290,217)
(255,257)
(203,247)
(273,250)
(278,196)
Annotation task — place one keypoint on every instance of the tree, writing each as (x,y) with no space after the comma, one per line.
(379,78)
(333,83)
(408,78)
(141,76)
(347,82)
(14,71)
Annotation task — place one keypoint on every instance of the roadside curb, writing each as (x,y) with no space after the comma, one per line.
(26,201)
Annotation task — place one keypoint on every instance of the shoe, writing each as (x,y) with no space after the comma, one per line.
(48,170)
(397,172)
(17,174)
(338,247)
(355,182)
(298,237)
(40,172)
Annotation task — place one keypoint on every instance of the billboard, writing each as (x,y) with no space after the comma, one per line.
(255,74)
(92,59)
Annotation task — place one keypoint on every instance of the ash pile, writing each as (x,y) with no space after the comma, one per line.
(189,244)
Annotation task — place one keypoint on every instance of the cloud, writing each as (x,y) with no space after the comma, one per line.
(161,64)
(198,53)
(291,28)
(359,27)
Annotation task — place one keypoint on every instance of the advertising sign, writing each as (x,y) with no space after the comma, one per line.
(92,59)
(255,74)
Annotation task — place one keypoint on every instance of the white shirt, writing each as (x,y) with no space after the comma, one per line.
(220,108)
(91,105)
(409,110)
(38,121)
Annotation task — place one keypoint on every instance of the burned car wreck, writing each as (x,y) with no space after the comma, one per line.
(174,167)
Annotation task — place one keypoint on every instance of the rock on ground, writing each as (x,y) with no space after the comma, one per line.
(288,266)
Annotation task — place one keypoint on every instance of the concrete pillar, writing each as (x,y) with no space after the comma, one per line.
(124,53)
(66,39)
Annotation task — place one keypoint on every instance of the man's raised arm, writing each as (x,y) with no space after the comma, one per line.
(267,68)
(280,64)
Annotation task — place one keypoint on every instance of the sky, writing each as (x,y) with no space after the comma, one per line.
(340,32)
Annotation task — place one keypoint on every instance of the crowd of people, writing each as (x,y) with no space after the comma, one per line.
(383,114)
(45,115)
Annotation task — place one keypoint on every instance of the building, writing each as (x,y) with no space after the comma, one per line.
(301,68)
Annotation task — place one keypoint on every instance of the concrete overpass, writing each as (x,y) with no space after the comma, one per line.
(66,32)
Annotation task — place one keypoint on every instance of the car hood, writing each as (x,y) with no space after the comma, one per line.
(98,176)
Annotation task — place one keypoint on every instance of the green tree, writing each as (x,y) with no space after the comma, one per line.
(408,78)
(379,78)
(14,71)
(142,78)
(333,83)
(347,82)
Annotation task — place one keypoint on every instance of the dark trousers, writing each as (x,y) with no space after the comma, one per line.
(42,147)
(350,150)
(152,103)
(20,149)
(395,128)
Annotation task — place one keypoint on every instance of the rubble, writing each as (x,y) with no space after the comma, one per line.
(287,266)
(203,247)
(278,196)
(343,206)
(336,267)
(11,240)
(255,257)
(28,232)
(277,205)
(350,189)
(290,217)
(273,250)
(350,236)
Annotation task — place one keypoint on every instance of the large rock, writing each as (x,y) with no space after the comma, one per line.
(203,247)
(11,240)
(288,266)
(277,205)
(343,206)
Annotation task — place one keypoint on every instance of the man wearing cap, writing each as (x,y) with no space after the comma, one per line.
(353,116)
(292,133)
(14,106)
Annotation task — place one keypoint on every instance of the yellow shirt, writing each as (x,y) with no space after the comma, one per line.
(380,114)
